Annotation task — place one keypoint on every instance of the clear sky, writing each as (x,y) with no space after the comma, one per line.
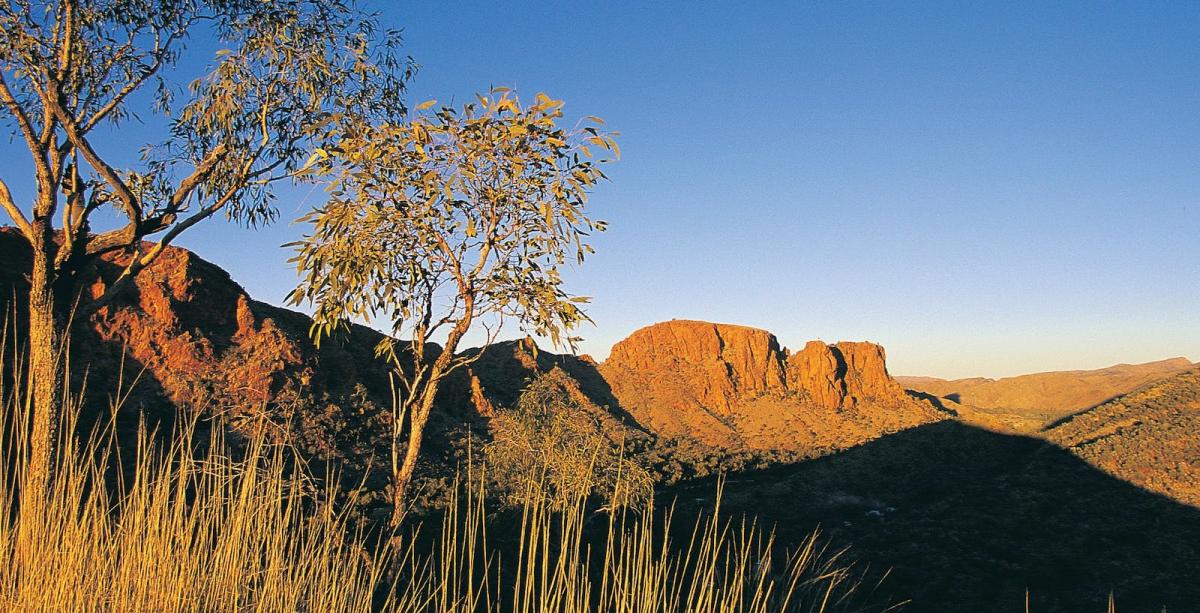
(985,189)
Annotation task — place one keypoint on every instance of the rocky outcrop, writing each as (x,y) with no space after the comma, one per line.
(722,363)
(735,386)
(844,375)
(725,364)
(865,374)
(815,369)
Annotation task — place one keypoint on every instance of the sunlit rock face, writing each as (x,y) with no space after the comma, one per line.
(720,363)
(735,386)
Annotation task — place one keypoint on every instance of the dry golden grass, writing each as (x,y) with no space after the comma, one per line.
(188,532)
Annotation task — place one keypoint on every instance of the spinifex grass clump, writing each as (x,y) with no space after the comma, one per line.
(181,531)
(208,534)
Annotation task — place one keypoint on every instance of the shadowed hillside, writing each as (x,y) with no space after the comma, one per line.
(694,397)
(968,519)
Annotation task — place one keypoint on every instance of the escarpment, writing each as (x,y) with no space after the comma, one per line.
(735,386)
(717,363)
(185,339)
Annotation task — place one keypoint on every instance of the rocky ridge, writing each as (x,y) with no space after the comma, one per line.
(197,343)
(735,386)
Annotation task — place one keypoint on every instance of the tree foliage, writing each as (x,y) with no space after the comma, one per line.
(290,76)
(451,218)
(486,203)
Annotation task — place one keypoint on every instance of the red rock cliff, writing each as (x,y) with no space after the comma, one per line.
(721,362)
(735,386)
(844,375)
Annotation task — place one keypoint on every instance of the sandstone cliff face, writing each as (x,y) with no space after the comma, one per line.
(815,369)
(866,376)
(721,363)
(734,386)
(844,375)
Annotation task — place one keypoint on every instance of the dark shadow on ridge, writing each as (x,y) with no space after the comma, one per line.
(968,520)
(507,367)
(931,399)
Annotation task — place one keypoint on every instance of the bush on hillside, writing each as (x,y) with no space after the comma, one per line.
(549,448)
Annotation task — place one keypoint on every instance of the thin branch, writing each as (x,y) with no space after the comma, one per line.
(160,57)
(23,123)
(82,103)
(77,138)
(459,361)
(203,169)
(64,57)
(14,211)
(137,263)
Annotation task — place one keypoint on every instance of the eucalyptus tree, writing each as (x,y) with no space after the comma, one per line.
(282,77)
(449,221)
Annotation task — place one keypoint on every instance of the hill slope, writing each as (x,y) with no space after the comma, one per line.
(1150,437)
(1034,400)
(202,345)
(966,519)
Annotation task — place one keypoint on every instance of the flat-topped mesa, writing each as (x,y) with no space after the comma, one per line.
(735,387)
(720,363)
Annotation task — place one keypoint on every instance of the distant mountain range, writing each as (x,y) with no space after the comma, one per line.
(1029,402)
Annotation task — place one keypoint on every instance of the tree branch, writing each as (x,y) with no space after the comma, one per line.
(137,263)
(112,240)
(160,56)
(14,211)
(64,57)
(202,171)
(77,138)
(72,215)
(23,123)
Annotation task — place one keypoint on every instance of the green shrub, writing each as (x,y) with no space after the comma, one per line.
(554,449)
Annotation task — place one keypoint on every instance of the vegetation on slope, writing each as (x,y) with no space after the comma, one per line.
(230,524)
(1148,437)
(1029,402)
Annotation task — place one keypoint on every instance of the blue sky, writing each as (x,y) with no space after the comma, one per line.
(984,189)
